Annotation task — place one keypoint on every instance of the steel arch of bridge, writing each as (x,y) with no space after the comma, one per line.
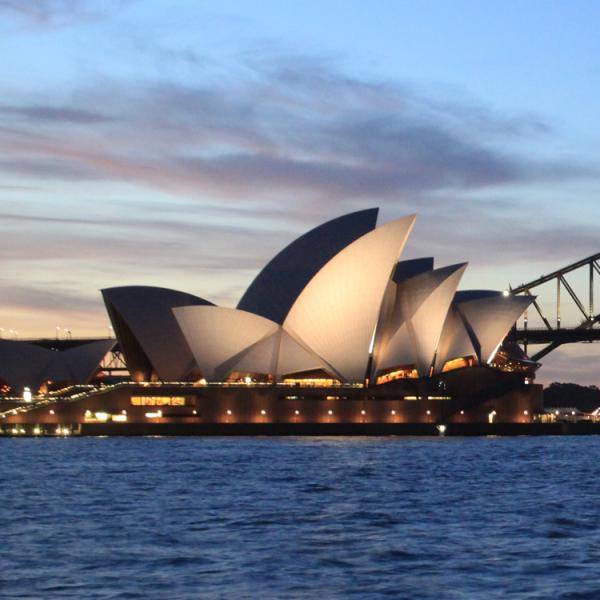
(554,336)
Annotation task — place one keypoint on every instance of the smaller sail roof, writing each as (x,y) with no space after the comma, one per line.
(489,316)
(406,269)
(477,323)
(217,334)
(414,324)
(224,340)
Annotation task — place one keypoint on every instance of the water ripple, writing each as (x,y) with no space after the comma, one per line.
(300,518)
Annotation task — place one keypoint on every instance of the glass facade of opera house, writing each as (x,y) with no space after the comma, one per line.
(336,328)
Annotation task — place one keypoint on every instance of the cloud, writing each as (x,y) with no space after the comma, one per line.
(44,168)
(134,245)
(58,13)
(497,231)
(248,163)
(301,128)
(34,298)
(54,114)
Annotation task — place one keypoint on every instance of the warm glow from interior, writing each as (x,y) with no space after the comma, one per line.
(158,400)
(250,378)
(405,372)
(458,363)
(316,382)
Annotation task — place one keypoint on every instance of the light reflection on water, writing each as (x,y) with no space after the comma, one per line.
(300,517)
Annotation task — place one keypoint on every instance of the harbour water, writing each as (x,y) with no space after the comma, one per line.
(300,517)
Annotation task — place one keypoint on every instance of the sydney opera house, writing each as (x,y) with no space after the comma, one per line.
(336,328)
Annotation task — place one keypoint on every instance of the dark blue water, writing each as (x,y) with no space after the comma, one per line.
(300,518)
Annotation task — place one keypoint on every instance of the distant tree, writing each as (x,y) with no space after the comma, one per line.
(585,398)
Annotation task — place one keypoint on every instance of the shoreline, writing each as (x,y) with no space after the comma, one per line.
(305,429)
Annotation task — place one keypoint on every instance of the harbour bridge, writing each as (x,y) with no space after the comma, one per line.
(552,334)
(545,310)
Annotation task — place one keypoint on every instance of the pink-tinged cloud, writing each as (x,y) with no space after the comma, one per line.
(301,130)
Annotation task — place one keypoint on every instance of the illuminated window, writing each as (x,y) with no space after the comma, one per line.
(458,363)
(511,359)
(312,378)
(312,382)
(5,388)
(402,372)
(250,378)
(158,400)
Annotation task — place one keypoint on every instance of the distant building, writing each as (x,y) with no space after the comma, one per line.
(27,365)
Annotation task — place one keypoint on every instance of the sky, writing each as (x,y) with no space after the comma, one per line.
(184,143)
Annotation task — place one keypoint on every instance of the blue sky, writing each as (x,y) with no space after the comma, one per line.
(183,144)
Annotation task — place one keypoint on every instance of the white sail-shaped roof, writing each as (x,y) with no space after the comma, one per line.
(415,323)
(148,334)
(216,334)
(389,317)
(260,357)
(280,282)
(294,357)
(278,354)
(478,323)
(224,340)
(490,317)
(336,313)
(455,341)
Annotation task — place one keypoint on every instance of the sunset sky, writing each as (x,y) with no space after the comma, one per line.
(182,144)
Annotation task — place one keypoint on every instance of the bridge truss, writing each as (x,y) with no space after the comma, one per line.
(553,334)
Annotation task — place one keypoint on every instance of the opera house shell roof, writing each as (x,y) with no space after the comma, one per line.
(336,304)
